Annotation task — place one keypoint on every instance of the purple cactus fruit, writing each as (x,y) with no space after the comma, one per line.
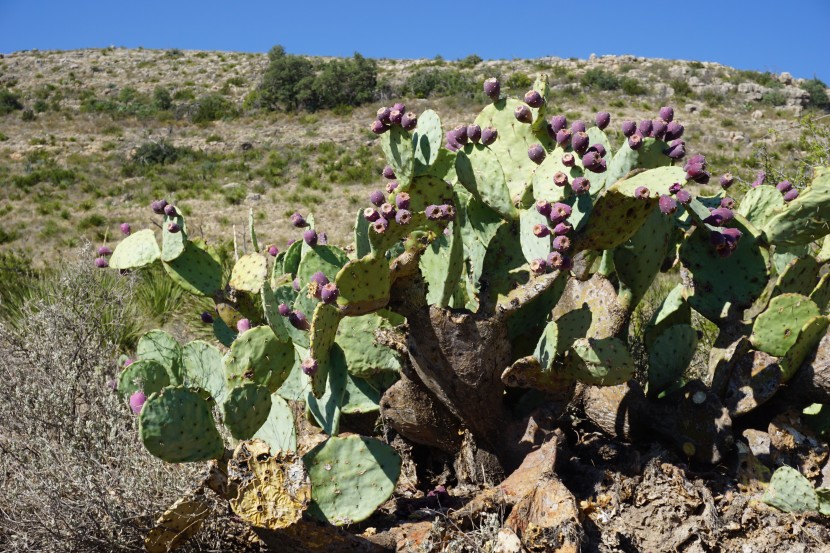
(635,141)
(562,228)
(563,137)
(125,229)
(578,126)
(557,123)
(309,366)
(273,250)
(725,241)
(667,114)
(451,143)
(658,129)
(388,172)
(243,325)
(460,134)
(319,278)
(540,231)
(645,127)
(629,128)
(676,152)
(674,130)
(702,178)
(433,212)
(128,362)
(675,188)
(668,205)
(395,117)
(543,207)
(697,158)
(489,135)
(580,142)
(101,262)
(207,318)
(284,309)
(580,185)
(538,266)
(448,212)
(383,115)
(719,216)
(137,400)
(492,88)
(599,149)
(561,243)
(694,170)
(555,260)
(536,153)
(474,133)
(173,228)
(523,114)
(170,210)
(298,320)
(391,186)
(728,203)
(760,178)
(310,237)
(726,180)
(298,220)
(603,119)
(784,186)
(641,193)
(380,225)
(379,127)
(683,197)
(387,211)
(400,107)
(104,251)
(409,121)
(403,217)
(560,179)
(371,214)
(559,212)
(329,293)
(296,284)
(377,198)
(534,99)
(568,160)
(791,195)
(591,160)
(158,206)
(601,167)
(402,200)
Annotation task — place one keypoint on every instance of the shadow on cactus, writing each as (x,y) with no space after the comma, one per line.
(494,278)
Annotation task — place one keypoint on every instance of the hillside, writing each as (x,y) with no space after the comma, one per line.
(96,141)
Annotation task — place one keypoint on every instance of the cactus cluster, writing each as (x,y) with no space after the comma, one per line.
(516,216)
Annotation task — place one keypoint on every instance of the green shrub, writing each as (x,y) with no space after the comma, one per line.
(600,79)
(818,94)
(518,80)
(470,61)
(212,107)
(161,98)
(681,88)
(281,85)
(157,153)
(28,115)
(633,87)
(9,102)
(774,98)
(431,81)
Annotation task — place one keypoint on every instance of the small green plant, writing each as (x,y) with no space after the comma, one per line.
(9,102)
(818,94)
(600,79)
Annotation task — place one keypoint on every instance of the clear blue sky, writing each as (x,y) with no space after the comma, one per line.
(765,35)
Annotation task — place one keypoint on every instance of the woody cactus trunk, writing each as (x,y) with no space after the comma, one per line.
(490,286)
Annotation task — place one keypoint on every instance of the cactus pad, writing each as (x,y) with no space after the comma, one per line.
(159,346)
(178,523)
(325,259)
(350,478)
(323,332)
(800,276)
(754,378)
(427,139)
(362,246)
(672,311)
(326,409)
(293,255)
(547,348)
(176,425)
(197,269)
(791,492)
(258,356)
(202,367)
(278,429)
(173,243)
(776,329)
(364,355)
(600,362)
(669,356)
(360,397)
(245,409)
(364,283)
(809,336)
(442,265)
(638,260)
(270,306)
(400,154)
(541,180)
(480,172)
(249,272)
(649,156)
(821,293)
(759,204)
(804,219)
(533,247)
(137,250)
(146,375)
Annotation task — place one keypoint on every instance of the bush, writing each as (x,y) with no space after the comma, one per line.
(280,88)
(774,98)
(633,87)
(470,61)
(211,107)
(9,102)
(518,81)
(600,79)
(681,88)
(432,81)
(162,99)
(157,153)
(818,94)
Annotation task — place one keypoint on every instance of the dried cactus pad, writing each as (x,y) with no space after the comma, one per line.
(790,492)
(178,523)
(350,477)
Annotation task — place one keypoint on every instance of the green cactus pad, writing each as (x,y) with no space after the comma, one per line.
(823,255)
(323,332)
(480,172)
(649,156)
(809,336)
(246,409)
(673,310)
(657,180)
(326,407)
(176,425)
(293,255)
(398,148)
(598,180)
(173,243)
(428,190)
(547,348)
(541,179)
(362,246)
(600,362)
(229,315)
(258,356)
(146,375)
(717,286)
(588,309)
(203,368)
(776,329)
(791,492)
(442,265)
(223,332)
(669,356)
(252,230)
(351,477)
(249,272)
(360,397)
(759,203)
(821,293)
(307,304)
(504,264)
(479,225)
(325,259)
(638,260)
(427,138)
(364,282)
(137,250)
(197,269)
(296,386)
(784,255)
(533,247)
(800,276)
(159,346)
(364,356)
(278,429)
(805,219)
(270,306)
